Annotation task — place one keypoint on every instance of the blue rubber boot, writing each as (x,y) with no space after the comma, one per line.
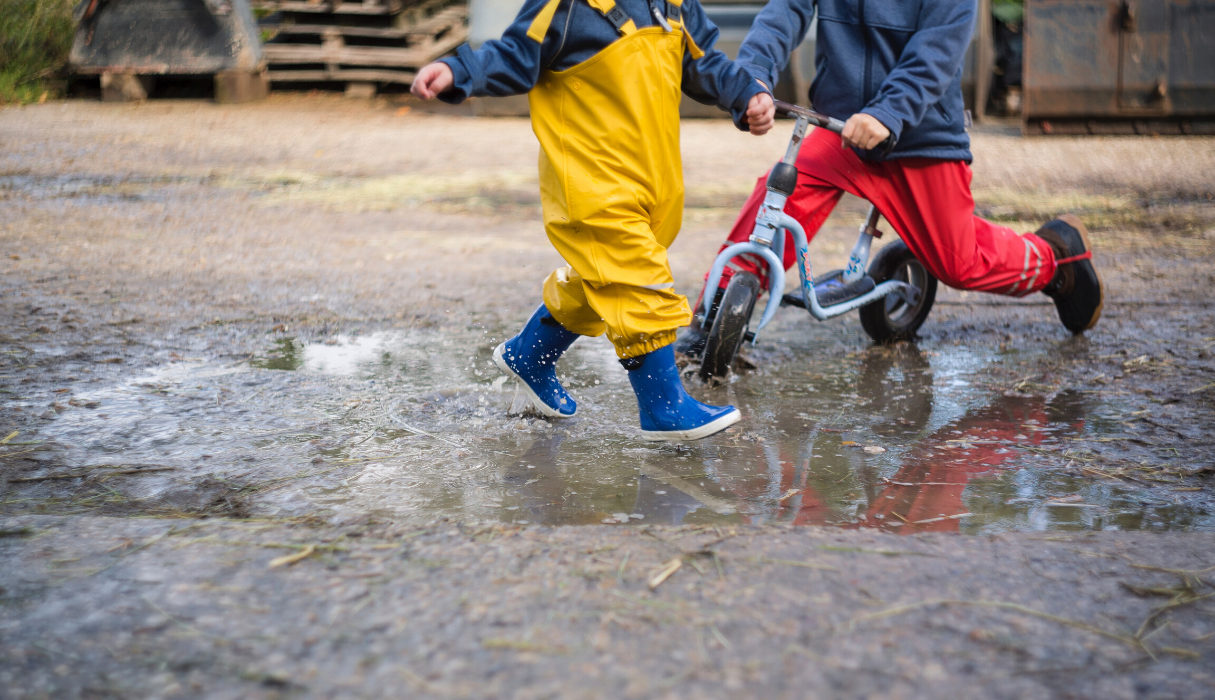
(667,412)
(531,357)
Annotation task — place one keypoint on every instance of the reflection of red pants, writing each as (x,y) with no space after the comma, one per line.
(928,202)
(932,481)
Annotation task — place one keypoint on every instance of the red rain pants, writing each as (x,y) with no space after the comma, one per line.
(927,201)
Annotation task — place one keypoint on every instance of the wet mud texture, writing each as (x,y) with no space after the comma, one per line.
(272,325)
(98,607)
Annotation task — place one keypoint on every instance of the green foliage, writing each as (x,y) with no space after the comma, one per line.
(35,37)
(1008,11)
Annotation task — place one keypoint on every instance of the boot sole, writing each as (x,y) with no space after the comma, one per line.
(537,403)
(704,431)
(1075,222)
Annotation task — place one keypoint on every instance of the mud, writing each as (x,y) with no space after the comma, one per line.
(97,607)
(272,325)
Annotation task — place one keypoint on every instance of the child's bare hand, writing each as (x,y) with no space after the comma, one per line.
(761,114)
(432,80)
(863,131)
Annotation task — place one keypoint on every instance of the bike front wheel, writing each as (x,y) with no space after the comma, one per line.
(728,327)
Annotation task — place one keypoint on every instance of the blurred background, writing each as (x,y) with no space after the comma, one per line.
(1057,66)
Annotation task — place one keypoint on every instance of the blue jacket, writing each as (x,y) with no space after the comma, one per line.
(897,60)
(511,65)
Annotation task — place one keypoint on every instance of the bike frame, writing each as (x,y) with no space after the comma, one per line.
(767,241)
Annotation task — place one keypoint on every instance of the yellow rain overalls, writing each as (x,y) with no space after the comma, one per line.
(611,183)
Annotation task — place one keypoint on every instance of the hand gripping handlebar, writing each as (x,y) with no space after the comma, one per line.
(831,124)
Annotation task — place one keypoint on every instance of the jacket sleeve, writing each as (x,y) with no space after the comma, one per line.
(501,67)
(926,67)
(778,29)
(714,78)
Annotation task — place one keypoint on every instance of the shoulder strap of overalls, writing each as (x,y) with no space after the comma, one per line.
(619,19)
(675,17)
(617,16)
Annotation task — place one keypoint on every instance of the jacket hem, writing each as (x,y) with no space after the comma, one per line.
(961,154)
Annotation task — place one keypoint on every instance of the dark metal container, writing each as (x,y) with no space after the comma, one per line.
(1119,66)
(130,42)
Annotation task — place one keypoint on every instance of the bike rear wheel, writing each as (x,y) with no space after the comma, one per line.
(728,327)
(891,319)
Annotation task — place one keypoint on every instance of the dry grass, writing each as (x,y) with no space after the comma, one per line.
(35,37)
(1099,211)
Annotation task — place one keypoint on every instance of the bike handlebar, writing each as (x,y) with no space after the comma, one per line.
(831,124)
(785,109)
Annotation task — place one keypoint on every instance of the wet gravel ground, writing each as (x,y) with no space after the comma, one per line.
(148,608)
(239,333)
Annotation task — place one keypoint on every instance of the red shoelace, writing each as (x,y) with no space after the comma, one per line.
(1086,255)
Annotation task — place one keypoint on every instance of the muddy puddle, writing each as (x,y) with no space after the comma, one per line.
(419,424)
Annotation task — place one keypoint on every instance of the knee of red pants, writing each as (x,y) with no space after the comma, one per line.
(955,273)
(949,267)
(745,223)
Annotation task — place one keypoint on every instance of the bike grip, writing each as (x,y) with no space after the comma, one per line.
(831,124)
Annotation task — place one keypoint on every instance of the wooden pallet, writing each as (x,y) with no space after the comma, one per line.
(368,7)
(402,12)
(383,52)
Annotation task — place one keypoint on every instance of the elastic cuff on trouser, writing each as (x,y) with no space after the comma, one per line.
(1037,268)
(650,344)
(1049,266)
(643,319)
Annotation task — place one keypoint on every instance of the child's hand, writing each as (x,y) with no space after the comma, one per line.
(863,131)
(432,80)
(761,114)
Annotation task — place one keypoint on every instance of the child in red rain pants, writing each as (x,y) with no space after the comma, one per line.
(890,67)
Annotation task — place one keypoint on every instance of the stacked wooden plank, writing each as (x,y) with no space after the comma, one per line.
(359,43)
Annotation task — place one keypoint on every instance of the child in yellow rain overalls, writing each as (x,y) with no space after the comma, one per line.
(603,79)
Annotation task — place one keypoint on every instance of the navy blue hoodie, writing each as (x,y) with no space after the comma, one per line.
(897,60)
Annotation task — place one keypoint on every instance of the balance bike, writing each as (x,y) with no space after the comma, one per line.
(894,296)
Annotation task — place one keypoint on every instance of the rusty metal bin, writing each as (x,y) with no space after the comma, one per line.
(130,42)
(1119,66)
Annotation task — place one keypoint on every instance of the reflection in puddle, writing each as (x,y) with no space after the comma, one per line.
(413,424)
(286,355)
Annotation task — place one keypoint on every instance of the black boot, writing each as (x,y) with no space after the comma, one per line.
(1076,286)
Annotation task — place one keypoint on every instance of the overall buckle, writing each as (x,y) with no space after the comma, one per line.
(618,17)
